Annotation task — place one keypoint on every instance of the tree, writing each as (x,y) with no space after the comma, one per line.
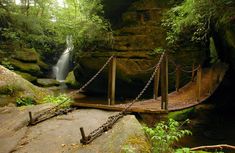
(194,21)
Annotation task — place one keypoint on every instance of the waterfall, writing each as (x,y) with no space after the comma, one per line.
(61,69)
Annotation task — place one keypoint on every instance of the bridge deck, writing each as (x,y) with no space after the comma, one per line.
(184,98)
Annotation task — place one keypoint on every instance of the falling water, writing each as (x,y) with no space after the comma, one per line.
(61,69)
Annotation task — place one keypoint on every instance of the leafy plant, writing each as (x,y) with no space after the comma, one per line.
(156,51)
(7,64)
(194,20)
(24,101)
(165,134)
(62,99)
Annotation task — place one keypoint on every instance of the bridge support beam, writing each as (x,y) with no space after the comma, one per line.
(164,83)
(156,84)
(198,83)
(112,81)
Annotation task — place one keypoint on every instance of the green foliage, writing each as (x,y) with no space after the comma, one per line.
(191,21)
(24,101)
(156,51)
(44,24)
(165,134)
(62,98)
(7,64)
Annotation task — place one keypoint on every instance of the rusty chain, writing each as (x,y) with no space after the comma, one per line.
(181,68)
(114,118)
(93,78)
(55,110)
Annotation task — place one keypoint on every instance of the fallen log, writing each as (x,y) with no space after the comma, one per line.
(220,146)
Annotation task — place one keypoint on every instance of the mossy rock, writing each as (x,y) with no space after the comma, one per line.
(14,85)
(43,65)
(26,76)
(181,115)
(26,55)
(71,80)
(31,68)
(47,82)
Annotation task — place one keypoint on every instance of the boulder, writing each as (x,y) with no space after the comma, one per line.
(71,80)
(13,85)
(61,133)
(26,55)
(11,134)
(47,82)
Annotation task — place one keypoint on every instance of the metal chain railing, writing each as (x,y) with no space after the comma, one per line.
(54,110)
(93,78)
(113,119)
(183,69)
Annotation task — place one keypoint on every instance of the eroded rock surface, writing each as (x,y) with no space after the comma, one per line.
(62,134)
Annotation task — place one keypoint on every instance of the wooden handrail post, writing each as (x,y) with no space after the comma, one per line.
(177,78)
(193,72)
(164,83)
(83,140)
(198,83)
(156,84)
(112,81)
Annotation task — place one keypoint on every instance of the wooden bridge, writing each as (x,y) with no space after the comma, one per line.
(203,83)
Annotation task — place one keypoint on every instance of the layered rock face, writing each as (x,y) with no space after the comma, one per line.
(24,61)
(135,39)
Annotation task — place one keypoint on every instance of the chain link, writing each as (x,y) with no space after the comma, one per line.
(113,119)
(181,67)
(93,78)
(53,110)
(148,83)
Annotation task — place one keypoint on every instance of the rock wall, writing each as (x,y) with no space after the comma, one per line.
(134,41)
(23,61)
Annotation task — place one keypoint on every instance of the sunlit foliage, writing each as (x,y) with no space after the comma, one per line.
(194,20)
(44,24)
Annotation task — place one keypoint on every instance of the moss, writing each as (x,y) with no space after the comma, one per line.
(25,67)
(230,38)
(15,86)
(26,55)
(71,80)
(181,114)
(137,143)
(26,76)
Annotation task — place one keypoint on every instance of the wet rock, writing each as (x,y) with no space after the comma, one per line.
(71,80)
(47,82)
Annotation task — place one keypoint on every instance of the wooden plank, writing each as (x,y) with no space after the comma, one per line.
(118,108)
(156,84)
(112,82)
